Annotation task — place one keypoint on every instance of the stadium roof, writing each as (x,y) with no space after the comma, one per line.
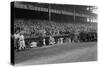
(80,10)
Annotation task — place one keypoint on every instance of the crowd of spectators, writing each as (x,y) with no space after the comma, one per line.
(35,28)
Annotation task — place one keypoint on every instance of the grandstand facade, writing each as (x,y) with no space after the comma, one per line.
(55,12)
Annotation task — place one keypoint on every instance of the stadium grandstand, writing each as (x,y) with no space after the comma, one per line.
(57,20)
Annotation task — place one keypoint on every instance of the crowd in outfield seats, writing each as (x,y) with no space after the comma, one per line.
(43,33)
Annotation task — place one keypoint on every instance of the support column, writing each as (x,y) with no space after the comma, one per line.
(49,10)
(74,15)
(89,15)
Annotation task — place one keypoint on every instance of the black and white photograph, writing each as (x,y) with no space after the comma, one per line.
(50,33)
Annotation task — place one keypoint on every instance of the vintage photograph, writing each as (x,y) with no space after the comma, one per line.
(49,33)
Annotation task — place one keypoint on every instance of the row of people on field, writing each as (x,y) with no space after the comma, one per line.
(20,42)
(82,37)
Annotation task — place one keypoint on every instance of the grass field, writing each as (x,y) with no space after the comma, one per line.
(74,52)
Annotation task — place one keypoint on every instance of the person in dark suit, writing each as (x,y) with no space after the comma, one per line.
(40,44)
(47,41)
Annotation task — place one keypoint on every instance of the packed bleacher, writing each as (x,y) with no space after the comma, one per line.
(33,28)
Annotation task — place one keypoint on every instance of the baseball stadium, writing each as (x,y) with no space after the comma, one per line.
(53,33)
